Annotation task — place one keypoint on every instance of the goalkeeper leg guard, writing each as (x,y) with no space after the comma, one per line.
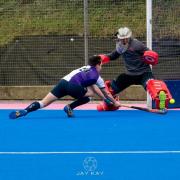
(159,93)
(104,106)
(109,88)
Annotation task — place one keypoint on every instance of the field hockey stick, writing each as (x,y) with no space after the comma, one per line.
(158,111)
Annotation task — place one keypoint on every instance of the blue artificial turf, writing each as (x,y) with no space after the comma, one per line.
(90,131)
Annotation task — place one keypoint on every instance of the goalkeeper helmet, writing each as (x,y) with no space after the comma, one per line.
(124,33)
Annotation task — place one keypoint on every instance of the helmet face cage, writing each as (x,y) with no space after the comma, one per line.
(122,47)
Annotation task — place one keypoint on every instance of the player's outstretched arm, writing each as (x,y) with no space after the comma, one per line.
(109,96)
(105,96)
(94,90)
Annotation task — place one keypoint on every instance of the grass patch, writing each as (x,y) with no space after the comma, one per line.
(43,17)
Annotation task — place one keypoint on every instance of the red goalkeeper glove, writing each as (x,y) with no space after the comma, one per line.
(150,57)
(104,58)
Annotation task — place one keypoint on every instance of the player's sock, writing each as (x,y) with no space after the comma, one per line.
(33,107)
(79,102)
(162,100)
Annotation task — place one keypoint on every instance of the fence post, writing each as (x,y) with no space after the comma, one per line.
(86,31)
(149,38)
(149,23)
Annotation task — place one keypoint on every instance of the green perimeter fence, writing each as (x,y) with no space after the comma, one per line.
(42,40)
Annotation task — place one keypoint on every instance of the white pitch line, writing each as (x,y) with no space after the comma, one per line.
(88,152)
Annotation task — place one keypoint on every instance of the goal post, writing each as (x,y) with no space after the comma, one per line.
(149,38)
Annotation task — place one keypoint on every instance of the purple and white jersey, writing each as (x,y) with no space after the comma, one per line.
(100,83)
(84,76)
